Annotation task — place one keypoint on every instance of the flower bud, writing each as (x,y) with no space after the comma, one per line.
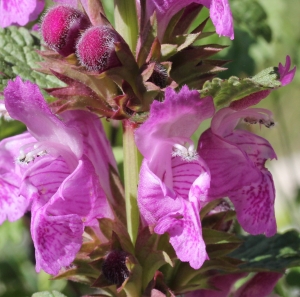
(114,267)
(159,76)
(96,48)
(61,27)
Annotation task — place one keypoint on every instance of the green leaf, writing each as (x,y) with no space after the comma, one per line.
(251,15)
(48,294)
(269,254)
(234,88)
(18,56)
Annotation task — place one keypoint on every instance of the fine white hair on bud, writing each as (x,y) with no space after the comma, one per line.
(186,153)
(96,48)
(61,26)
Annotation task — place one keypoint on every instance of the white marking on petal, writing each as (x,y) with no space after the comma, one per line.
(187,154)
(30,151)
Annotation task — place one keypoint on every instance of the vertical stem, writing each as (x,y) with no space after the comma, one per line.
(126,21)
(131,176)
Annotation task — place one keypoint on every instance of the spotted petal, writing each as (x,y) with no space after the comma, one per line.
(254,205)
(57,239)
(178,116)
(185,232)
(12,205)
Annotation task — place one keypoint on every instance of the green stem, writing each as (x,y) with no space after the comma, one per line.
(126,21)
(132,160)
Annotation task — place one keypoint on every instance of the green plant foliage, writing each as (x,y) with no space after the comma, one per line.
(18,57)
(251,15)
(225,91)
(275,253)
(48,294)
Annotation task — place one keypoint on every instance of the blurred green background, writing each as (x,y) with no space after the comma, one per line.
(265,32)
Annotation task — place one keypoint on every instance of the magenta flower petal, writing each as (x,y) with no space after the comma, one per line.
(12,205)
(185,232)
(43,178)
(87,201)
(57,239)
(254,205)
(221,17)
(262,284)
(95,144)
(171,213)
(25,103)
(19,12)
(236,160)
(173,179)
(286,75)
(55,173)
(220,13)
(228,165)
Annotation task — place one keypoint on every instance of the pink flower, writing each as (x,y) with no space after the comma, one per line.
(61,174)
(236,161)
(19,12)
(220,13)
(173,179)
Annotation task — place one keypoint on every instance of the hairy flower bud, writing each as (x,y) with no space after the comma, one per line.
(114,267)
(61,27)
(159,76)
(96,48)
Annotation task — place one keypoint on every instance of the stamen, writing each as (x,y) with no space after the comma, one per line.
(30,151)
(187,154)
(267,122)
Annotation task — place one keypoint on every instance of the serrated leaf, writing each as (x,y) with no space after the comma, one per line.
(269,254)
(18,56)
(48,294)
(234,88)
